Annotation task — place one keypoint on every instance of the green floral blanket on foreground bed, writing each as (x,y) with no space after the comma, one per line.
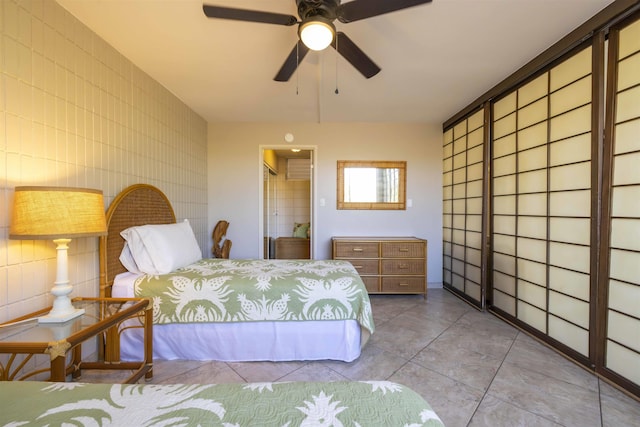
(223,290)
(336,404)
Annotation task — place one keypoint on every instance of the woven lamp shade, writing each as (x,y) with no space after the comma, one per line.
(57,212)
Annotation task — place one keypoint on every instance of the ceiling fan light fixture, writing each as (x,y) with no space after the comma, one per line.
(317,33)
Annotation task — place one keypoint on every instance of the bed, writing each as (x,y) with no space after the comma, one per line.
(276,310)
(375,403)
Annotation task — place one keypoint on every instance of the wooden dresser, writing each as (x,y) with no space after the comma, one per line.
(387,265)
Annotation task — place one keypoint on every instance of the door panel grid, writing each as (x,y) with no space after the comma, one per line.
(463,169)
(541,181)
(621,339)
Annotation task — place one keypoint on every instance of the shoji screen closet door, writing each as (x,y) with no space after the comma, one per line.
(463,168)
(541,205)
(562,198)
(620,279)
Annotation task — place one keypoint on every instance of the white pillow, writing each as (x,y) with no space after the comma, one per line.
(126,258)
(163,248)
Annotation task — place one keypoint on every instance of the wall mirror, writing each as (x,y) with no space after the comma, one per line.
(371,185)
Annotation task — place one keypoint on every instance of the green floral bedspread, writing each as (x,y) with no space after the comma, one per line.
(224,290)
(352,404)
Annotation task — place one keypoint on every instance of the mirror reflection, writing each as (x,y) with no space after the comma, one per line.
(371,185)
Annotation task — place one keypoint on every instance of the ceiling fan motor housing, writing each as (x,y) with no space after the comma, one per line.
(326,9)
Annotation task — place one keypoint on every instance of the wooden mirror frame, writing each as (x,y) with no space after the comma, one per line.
(402,183)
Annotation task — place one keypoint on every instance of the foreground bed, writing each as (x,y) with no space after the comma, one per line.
(374,403)
(234,310)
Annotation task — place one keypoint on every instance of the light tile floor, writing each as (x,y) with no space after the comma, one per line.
(473,368)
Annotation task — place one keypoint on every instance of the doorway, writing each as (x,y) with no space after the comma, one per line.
(287,202)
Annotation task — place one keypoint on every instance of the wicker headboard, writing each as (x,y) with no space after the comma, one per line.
(138,204)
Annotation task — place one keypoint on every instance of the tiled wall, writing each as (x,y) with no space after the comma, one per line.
(293,201)
(75,112)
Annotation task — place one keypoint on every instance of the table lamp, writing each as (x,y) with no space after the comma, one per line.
(60,214)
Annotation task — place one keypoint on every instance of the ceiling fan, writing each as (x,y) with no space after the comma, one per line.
(316,30)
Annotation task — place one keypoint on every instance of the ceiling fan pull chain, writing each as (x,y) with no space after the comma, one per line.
(337,59)
(297,66)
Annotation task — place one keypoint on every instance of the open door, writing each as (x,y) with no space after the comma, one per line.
(287,201)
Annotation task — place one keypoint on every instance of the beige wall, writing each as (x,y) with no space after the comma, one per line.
(74,112)
(235,181)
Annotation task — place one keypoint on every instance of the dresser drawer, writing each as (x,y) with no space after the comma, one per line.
(372,283)
(356,250)
(365,266)
(403,250)
(403,284)
(403,266)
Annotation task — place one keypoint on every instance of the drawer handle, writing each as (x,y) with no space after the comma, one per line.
(403,284)
(404,249)
(403,266)
(357,249)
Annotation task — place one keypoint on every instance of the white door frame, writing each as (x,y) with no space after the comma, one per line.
(313,188)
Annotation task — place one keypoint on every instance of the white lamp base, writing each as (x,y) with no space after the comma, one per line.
(63,310)
(62,317)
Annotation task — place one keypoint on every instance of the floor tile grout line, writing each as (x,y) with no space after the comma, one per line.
(600,403)
(236,372)
(486,391)
(411,360)
(453,324)
(563,357)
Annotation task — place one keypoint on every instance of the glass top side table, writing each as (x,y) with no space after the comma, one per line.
(102,317)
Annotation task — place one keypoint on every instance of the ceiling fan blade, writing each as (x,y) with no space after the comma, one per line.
(248,15)
(361,9)
(291,63)
(355,55)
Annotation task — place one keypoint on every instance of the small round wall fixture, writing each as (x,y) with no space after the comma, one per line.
(288,137)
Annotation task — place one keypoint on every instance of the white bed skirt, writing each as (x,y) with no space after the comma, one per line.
(241,341)
(248,341)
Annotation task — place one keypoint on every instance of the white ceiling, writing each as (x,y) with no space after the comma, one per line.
(435,58)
